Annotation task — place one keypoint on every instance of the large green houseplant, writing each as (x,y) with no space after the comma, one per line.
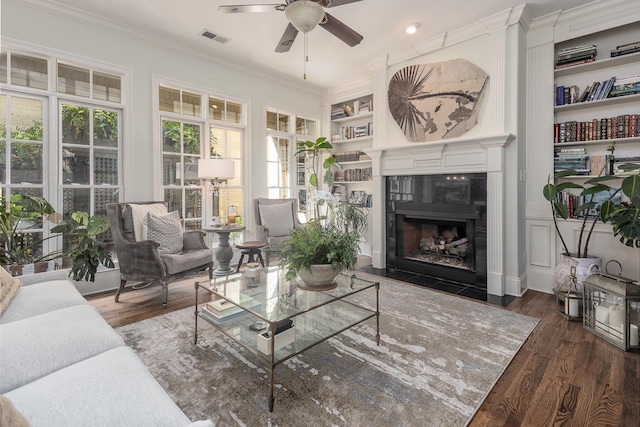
(20,215)
(624,216)
(85,253)
(330,240)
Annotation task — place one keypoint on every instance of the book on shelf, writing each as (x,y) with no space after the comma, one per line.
(575,53)
(574,63)
(626,49)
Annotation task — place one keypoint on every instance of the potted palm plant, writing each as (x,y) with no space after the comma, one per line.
(328,243)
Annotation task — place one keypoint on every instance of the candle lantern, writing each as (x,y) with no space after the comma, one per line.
(568,299)
(612,309)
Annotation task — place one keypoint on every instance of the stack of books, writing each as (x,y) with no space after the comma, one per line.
(629,85)
(626,49)
(572,158)
(221,311)
(576,55)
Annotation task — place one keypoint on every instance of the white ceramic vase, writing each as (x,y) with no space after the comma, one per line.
(584,268)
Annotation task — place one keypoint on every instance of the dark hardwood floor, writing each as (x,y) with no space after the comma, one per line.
(563,375)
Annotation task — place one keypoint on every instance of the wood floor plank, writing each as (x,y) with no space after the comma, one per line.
(563,375)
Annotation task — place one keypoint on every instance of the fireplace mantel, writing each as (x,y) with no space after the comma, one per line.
(477,154)
(460,155)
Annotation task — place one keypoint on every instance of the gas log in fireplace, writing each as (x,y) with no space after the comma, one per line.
(436,226)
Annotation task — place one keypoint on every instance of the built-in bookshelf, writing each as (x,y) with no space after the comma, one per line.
(351,135)
(596,104)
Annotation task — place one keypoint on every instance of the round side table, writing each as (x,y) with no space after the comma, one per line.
(224,253)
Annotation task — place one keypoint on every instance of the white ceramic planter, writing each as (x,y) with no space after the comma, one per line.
(318,277)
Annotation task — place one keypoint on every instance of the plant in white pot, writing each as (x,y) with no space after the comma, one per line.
(624,217)
(328,243)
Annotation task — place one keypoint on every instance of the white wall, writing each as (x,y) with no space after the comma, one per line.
(71,38)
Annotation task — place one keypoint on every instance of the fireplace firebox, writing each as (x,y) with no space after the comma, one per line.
(436,226)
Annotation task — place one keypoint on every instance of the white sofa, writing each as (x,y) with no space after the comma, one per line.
(61,364)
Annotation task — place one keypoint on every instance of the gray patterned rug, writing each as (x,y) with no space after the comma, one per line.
(439,357)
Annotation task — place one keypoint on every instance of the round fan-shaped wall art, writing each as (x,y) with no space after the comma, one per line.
(436,101)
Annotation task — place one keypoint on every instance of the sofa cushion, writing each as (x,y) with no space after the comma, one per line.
(70,334)
(111,389)
(278,218)
(133,217)
(42,298)
(9,287)
(9,415)
(166,230)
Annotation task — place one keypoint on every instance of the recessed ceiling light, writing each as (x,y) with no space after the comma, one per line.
(412,28)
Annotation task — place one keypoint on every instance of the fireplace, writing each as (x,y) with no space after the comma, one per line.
(436,226)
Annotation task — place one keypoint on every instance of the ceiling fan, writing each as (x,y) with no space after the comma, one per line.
(303,16)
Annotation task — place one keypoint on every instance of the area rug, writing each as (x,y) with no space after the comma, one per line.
(438,358)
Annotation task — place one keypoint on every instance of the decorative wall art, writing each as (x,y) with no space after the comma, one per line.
(436,101)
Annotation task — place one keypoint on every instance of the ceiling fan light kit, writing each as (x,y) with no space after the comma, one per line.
(304,15)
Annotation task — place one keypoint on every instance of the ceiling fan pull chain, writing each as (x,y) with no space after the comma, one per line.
(306,54)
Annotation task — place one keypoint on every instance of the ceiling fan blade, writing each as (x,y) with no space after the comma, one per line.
(287,39)
(341,31)
(334,3)
(242,8)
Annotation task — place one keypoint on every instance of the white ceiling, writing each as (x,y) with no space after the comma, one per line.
(254,36)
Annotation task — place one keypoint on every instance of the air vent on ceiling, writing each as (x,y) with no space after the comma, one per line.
(213,36)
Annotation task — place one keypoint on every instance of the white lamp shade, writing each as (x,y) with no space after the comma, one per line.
(304,15)
(215,169)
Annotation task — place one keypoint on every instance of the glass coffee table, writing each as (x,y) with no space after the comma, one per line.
(251,310)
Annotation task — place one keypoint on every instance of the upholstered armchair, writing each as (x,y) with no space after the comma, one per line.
(275,218)
(151,246)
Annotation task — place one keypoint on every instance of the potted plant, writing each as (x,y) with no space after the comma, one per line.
(328,243)
(20,245)
(86,253)
(624,216)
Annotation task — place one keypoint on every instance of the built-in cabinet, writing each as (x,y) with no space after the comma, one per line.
(351,135)
(604,25)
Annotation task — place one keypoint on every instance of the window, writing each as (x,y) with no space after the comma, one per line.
(22,150)
(89,154)
(286,170)
(181,149)
(189,133)
(227,143)
(88,142)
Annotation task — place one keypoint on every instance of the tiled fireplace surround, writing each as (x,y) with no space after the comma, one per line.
(461,155)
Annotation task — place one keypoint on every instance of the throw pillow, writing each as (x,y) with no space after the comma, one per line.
(9,287)
(9,415)
(278,218)
(167,231)
(138,214)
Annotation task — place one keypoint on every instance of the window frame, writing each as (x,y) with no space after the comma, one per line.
(293,188)
(205,144)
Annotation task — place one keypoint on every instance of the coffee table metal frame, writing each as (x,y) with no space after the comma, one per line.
(317,315)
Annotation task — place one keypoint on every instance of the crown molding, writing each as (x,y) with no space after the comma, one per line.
(221,59)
